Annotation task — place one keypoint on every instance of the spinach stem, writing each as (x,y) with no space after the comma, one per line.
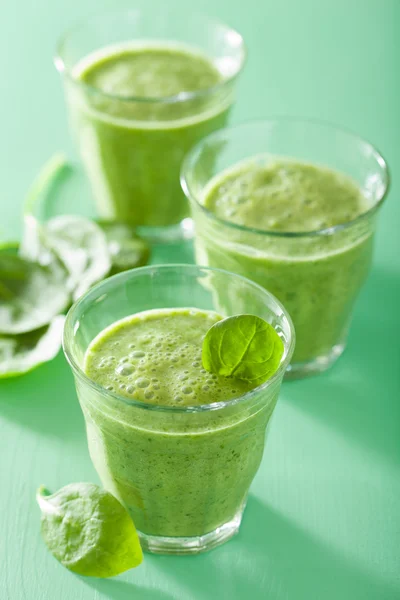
(45,179)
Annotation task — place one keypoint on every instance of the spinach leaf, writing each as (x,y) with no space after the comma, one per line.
(82,248)
(30,295)
(127,249)
(34,245)
(67,242)
(22,353)
(35,248)
(70,243)
(244,346)
(88,531)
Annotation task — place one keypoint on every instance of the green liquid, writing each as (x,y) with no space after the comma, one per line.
(150,72)
(317,278)
(285,196)
(179,474)
(132,144)
(155,357)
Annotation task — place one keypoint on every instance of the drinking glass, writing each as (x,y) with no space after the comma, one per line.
(132,147)
(183,473)
(317,275)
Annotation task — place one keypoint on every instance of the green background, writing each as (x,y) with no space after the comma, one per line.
(323,519)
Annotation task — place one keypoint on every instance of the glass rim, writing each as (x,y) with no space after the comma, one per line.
(183,96)
(73,317)
(220,134)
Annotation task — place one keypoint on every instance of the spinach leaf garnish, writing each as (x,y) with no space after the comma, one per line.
(244,346)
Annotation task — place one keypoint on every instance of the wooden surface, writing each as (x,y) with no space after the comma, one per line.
(323,519)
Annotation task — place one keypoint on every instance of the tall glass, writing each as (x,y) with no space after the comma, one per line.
(132,147)
(182,472)
(317,275)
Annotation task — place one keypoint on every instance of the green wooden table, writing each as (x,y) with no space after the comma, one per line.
(323,519)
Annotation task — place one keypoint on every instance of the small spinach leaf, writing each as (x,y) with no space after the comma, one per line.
(82,247)
(88,531)
(22,353)
(70,243)
(127,249)
(35,248)
(244,346)
(30,295)
(66,242)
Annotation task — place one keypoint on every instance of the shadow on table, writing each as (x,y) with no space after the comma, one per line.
(44,400)
(273,558)
(360,395)
(364,418)
(123,590)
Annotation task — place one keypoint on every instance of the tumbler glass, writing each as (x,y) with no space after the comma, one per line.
(132,146)
(183,473)
(317,275)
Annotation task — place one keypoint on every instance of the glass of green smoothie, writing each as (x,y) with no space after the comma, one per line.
(142,86)
(177,445)
(291,204)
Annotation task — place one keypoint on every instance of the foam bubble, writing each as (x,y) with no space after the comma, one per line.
(125,369)
(137,354)
(142,382)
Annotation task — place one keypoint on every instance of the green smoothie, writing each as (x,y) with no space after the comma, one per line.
(179,473)
(136,110)
(316,277)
